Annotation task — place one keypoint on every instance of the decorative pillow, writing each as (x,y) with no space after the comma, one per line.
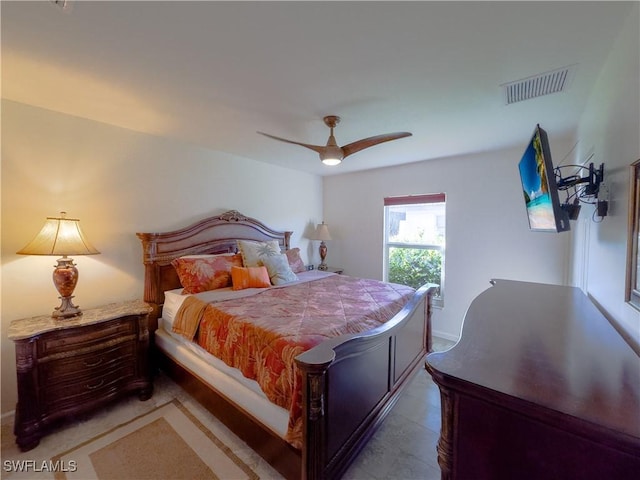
(250,277)
(295,262)
(208,255)
(200,274)
(252,252)
(279,270)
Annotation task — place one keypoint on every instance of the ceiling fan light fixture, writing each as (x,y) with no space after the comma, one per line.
(332,162)
(332,154)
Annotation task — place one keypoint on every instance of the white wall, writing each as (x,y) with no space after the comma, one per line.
(119,182)
(610,129)
(487,230)
(487,234)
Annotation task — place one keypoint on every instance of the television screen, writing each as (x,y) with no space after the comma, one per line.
(539,186)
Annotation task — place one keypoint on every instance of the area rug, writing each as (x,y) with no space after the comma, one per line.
(166,443)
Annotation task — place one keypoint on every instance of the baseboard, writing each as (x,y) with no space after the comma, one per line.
(6,415)
(445,335)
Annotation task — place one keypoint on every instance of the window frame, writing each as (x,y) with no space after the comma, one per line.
(632,286)
(438,301)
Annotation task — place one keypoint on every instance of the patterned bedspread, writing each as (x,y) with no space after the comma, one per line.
(262,334)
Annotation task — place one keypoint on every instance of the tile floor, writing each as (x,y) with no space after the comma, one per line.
(404,447)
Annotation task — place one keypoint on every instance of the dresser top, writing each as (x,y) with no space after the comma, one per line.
(30,327)
(549,347)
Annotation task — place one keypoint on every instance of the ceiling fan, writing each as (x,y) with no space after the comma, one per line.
(331,153)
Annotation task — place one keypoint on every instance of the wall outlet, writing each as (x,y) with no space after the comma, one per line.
(602,208)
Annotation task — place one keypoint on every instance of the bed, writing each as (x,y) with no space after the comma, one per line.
(349,383)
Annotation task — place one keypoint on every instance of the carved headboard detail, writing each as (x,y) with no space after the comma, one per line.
(212,235)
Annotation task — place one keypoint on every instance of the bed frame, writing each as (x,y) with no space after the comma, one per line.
(350,383)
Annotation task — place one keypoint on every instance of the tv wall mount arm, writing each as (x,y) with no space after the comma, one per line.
(583,189)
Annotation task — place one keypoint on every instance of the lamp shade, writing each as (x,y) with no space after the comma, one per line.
(60,236)
(322,232)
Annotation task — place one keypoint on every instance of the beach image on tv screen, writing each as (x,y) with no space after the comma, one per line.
(536,187)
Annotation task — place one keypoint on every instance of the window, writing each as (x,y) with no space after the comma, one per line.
(414,241)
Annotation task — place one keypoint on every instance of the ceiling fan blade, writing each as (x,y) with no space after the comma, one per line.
(371,141)
(316,148)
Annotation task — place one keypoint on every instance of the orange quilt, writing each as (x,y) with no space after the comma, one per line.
(262,334)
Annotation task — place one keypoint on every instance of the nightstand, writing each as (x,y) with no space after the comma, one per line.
(71,366)
(338,270)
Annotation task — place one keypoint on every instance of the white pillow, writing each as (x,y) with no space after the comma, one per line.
(253,252)
(279,270)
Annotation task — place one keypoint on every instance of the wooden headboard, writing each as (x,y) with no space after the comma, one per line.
(212,235)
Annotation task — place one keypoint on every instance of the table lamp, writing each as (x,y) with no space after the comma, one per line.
(322,234)
(62,236)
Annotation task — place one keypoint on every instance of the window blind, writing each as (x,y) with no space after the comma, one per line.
(414,199)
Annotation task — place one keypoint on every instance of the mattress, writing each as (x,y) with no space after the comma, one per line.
(230,382)
(227,381)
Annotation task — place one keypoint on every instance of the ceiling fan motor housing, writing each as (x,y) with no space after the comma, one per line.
(331,120)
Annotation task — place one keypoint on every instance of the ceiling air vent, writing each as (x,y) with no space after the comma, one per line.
(62,4)
(538,85)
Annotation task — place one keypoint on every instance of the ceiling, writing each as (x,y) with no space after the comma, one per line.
(215,73)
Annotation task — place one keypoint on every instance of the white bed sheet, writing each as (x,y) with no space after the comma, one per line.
(229,381)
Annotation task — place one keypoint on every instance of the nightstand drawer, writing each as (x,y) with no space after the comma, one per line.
(88,364)
(85,338)
(80,390)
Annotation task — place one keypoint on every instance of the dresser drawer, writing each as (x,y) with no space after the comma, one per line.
(89,364)
(74,339)
(80,390)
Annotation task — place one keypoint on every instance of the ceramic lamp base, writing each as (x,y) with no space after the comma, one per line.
(323,255)
(65,278)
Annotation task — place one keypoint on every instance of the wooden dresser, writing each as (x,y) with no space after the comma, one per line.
(540,386)
(71,366)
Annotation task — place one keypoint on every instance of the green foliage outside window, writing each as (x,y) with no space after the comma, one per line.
(414,266)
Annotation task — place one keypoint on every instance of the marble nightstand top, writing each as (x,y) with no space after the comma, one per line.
(30,327)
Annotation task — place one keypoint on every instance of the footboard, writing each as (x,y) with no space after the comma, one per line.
(350,384)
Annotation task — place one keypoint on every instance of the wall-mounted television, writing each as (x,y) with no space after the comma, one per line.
(539,186)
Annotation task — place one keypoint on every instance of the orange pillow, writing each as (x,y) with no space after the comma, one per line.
(250,277)
(202,273)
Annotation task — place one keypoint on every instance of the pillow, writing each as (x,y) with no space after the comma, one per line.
(252,252)
(208,255)
(279,270)
(249,277)
(200,274)
(295,262)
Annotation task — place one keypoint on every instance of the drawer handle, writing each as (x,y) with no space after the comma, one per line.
(94,364)
(97,385)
